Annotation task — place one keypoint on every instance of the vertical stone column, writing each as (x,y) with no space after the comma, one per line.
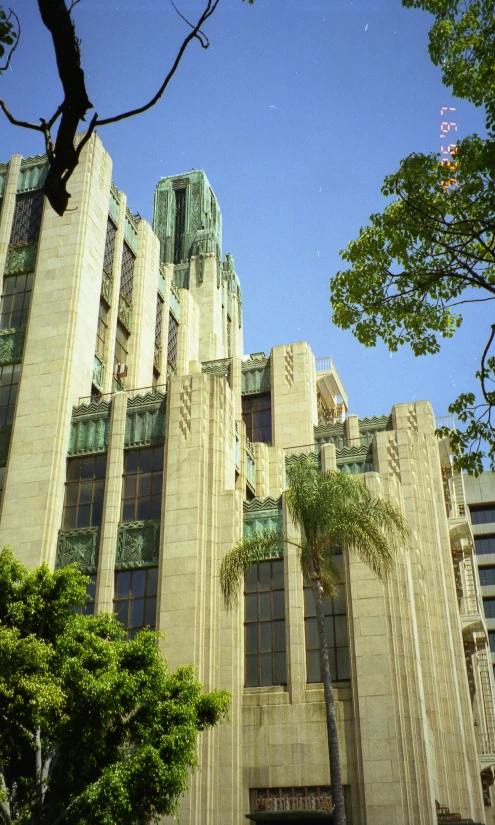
(202,519)
(168,274)
(296,644)
(8,206)
(294,412)
(188,343)
(208,296)
(144,297)
(351,429)
(328,457)
(113,315)
(58,359)
(111,504)
(262,453)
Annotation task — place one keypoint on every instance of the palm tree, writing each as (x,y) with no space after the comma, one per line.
(334,511)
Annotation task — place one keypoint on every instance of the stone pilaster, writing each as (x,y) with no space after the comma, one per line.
(8,206)
(58,359)
(113,315)
(144,293)
(111,504)
(294,412)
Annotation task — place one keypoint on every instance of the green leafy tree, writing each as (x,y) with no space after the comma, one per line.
(333,511)
(432,249)
(94,730)
(8,36)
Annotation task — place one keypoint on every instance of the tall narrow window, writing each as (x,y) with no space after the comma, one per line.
(485,545)
(9,384)
(16,300)
(135,599)
(264,624)
(27,217)
(482,513)
(121,352)
(143,478)
(109,247)
(336,632)
(257,416)
(88,609)
(84,491)
(127,272)
(101,332)
(173,336)
(180,224)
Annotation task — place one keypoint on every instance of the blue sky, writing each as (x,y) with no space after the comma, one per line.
(296,113)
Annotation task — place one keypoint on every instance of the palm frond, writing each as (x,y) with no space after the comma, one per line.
(248,551)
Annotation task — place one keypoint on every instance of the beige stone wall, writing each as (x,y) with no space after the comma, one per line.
(58,359)
(294,411)
(144,296)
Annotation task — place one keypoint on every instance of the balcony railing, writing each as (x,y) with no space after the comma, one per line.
(470,606)
(485,743)
(324,364)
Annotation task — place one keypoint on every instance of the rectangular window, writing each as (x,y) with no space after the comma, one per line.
(487,575)
(89,608)
(127,272)
(9,384)
(142,484)
(101,332)
(84,491)
(27,217)
(484,545)
(482,513)
(491,639)
(264,624)
(121,351)
(16,300)
(489,607)
(173,335)
(109,247)
(336,632)
(180,224)
(257,416)
(135,599)
(158,320)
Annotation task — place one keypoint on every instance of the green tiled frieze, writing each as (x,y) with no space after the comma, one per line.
(255,374)
(89,428)
(355,460)
(32,174)
(369,426)
(11,345)
(355,467)
(295,458)
(79,547)
(220,367)
(330,434)
(5,433)
(106,288)
(114,204)
(98,373)
(263,514)
(125,313)
(138,544)
(145,420)
(21,259)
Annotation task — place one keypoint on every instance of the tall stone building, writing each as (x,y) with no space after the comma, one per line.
(138,440)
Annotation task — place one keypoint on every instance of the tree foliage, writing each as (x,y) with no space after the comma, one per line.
(94,730)
(9,33)
(64,151)
(333,511)
(431,250)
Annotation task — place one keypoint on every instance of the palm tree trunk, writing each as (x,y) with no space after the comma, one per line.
(332,732)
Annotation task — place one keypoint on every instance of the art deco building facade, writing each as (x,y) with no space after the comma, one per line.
(138,440)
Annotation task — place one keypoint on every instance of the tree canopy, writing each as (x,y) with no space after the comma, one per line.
(432,248)
(94,729)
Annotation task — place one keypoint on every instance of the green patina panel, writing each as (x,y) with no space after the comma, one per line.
(89,428)
(138,544)
(263,514)
(98,372)
(220,367)
(5,433)
(145,420)
(255,374)
(355,460)
(125,313)
(32,174)
(330,434)
(106,288)
(11,345)
(369,426)
(114,204)
(21,259)
(79,547)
